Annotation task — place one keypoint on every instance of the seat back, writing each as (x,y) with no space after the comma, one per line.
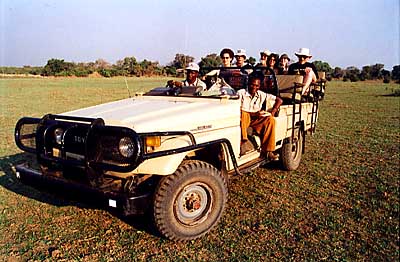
(290,87)
(287,82)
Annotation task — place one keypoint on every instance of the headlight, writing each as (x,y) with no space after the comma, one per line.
(58,135)
(126,147)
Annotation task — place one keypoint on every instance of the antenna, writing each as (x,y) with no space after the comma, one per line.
(127,87)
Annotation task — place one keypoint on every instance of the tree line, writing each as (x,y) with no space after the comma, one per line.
(130,66)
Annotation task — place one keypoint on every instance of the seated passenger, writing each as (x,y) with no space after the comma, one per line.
(240,58)
(271,62)
(192,73)
(263,58)
(226,56)
(305,68)
(252,115)
(283,66)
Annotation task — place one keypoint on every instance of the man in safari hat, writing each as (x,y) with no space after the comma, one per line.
(305,68)
(240,57)
(263,58)
(192,73)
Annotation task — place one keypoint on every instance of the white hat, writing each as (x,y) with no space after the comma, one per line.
(193,67)
(303,52)
(241,52)
(266,52)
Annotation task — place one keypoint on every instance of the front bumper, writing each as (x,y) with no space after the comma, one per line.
(115,201)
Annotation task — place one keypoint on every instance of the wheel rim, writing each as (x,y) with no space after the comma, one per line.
(295,149)
(193,204)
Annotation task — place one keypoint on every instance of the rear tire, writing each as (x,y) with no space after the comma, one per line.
(291,151)
(190,202)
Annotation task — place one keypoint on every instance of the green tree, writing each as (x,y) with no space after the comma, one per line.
(396,73)
(323,67)
(386,76)
(181,61)
(211,60)
(352,73)
(128,66)
(337,72)
(376,71)
(57,67)
(170,70)
(366,73)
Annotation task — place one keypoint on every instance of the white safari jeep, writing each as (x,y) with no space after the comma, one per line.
(169,152)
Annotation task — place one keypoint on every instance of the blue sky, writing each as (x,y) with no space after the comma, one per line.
(341,32)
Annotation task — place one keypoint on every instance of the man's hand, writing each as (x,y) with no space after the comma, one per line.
(263,113)
(178,84)
(172,83)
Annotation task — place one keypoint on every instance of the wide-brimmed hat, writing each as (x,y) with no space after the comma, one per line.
(266,52)
(241,52)
(226,50)
(284,56)
(303,52)
(193,67)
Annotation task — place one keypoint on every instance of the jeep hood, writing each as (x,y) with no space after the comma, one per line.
(157,113)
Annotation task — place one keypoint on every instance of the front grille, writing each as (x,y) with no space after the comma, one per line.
(79,142)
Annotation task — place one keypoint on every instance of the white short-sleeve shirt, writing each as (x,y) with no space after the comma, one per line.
(255,103)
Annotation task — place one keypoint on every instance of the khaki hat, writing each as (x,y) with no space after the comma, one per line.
(193,67)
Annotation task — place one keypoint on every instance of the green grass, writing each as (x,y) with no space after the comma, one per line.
(342,204)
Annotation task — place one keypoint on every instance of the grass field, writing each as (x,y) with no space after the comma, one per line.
(342,204)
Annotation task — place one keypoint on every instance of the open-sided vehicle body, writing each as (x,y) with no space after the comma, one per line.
(169,152)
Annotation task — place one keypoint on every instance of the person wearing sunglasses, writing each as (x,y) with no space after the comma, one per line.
(226,56)
(272,62)
(305,68)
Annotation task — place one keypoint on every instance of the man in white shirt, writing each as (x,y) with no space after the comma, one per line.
(253,115)
(192,79)
(192,73)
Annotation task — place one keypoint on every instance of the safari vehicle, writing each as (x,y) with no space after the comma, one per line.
(169,152)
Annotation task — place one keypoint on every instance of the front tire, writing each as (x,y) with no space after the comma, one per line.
(190,202)
(291,152)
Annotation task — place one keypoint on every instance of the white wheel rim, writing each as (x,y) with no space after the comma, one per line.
(193,204)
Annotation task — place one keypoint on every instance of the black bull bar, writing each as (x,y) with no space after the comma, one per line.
(114,201)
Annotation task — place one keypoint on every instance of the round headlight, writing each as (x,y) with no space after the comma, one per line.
(58,134)
(126,147)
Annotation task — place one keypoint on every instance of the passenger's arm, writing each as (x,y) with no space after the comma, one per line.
(277,104)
